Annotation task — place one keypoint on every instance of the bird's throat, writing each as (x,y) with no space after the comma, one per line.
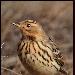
(28,38)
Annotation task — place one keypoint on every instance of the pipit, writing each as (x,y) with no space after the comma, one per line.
(37,52)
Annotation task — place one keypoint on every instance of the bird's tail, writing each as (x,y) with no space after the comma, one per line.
(63,71)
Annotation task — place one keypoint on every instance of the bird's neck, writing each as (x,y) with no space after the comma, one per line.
(31,38)
(28,38)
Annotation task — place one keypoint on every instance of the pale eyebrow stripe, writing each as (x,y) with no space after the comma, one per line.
(30,21)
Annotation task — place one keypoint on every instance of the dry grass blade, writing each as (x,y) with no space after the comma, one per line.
(10,70)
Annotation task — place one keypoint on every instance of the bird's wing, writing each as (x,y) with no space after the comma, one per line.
(56,53)
(58,56)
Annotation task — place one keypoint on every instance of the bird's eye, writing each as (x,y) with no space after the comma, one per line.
(28,25)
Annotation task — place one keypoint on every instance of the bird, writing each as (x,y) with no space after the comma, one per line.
(37,52)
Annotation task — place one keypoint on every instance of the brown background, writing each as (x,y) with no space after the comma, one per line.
(56,18)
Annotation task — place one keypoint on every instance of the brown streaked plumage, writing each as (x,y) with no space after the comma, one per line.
(36,52)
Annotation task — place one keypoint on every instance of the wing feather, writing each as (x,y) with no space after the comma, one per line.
(57,54)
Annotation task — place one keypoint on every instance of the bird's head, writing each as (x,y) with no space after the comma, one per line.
(31,29)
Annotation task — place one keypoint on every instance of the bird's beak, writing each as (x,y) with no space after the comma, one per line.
(17,25)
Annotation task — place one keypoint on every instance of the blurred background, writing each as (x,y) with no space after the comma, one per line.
(56,18)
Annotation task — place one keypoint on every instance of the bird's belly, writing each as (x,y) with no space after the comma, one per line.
(36,66)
